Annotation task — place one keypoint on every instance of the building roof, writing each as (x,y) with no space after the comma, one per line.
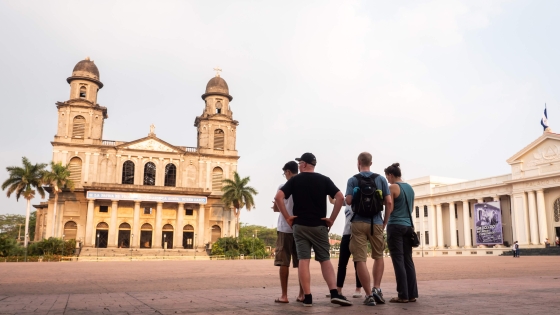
(217,86)
(86,69)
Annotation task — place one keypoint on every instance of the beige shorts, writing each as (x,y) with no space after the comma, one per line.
(361,235)
(285,250)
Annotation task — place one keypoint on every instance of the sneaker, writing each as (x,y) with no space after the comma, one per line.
(340,300)
(377,295)
(369,301)
(308,300)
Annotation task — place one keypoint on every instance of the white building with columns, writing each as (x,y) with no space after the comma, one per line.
(529,199)
(145,193)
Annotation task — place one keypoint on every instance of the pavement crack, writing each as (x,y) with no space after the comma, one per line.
(143,302)
(66,305)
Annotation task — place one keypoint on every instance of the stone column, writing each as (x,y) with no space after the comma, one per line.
(59,220)
(466,224)
(513,223)
(113,228)
(89,223)
(533,218)
(543,227)
(178,233)
(86,168)
(452,225)
(201,230)
(157,236)
(136,225)
(421,226)
(439,226)
(432,226)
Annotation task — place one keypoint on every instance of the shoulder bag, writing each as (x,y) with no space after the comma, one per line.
(414,237)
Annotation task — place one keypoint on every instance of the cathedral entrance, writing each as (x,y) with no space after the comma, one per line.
(124,236)
(146,236)
(101,235)
(167,236)
(188,236)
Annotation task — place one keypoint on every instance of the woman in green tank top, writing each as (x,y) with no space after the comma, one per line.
(399,232)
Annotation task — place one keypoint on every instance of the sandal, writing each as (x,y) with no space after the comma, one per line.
(298,300)
(412,300)
(280,301)
(398,300)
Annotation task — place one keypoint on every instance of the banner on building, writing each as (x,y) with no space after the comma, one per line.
(488,223)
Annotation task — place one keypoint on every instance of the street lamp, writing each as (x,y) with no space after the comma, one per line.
(253,246)
(97,246)
(131,242)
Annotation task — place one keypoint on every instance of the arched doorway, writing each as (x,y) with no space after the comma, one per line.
(167,236)
(70,230)
(188,236)
(101,235)
(216,233)
(146,236)
(124,236)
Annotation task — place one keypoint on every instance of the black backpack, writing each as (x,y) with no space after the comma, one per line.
(368,201)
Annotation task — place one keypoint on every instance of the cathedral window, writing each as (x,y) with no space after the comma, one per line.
(219,139)
(150,174)
(75,168)
(83,92)
(217,178)
(79,127)
(170,175)
(128,173)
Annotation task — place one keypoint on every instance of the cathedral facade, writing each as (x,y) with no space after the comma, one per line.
(145,193)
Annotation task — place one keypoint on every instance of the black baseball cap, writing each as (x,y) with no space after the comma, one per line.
(308,158)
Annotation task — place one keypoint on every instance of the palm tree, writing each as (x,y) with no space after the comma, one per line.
(238,195)
(57,178)
(21,180)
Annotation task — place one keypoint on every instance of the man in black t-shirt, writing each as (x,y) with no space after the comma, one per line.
(310,224)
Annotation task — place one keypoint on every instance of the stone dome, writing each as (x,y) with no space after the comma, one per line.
(86,69)
(217,86)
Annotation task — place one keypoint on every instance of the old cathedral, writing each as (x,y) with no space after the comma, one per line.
(145,193)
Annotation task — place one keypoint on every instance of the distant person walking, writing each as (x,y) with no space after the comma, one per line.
(310,223)
(285,244)
(399,233)
(367,192)
(516,249)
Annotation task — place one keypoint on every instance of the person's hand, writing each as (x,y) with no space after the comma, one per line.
(290,220)
(328,221)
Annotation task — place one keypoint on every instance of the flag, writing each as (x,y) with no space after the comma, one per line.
(544,120)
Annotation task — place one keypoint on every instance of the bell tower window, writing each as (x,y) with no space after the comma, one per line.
(79,127)
(219,139)
(83,92)
(218,107)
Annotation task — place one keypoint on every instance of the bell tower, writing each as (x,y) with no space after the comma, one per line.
(216,127)
(81,118)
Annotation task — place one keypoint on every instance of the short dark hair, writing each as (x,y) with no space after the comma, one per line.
(291,166)
(394,169)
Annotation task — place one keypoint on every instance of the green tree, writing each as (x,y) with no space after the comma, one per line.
(21,181)
(267,235)
(10,225)
(238,195)
(57,178)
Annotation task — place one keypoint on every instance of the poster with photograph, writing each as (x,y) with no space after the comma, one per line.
(488,223)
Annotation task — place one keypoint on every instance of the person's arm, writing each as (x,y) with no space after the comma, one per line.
(280,196)
(336,209)
(388,202)
(349,191)
(275,207)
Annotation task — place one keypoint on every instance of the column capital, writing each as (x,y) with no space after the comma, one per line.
(540,190)
(465,200)
(137,203)
(159,203)
(115,200)
(90,199)
(181,203)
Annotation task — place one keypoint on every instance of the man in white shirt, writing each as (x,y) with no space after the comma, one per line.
(285,245)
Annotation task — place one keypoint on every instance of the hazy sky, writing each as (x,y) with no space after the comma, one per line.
(446,88)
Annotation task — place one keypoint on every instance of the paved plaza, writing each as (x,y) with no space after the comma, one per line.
(469,285)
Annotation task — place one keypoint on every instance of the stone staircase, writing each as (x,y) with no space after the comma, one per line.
(117,254)
(550,251)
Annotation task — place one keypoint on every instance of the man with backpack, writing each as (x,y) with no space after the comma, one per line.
(367,193)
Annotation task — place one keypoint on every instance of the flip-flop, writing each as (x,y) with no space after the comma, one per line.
(278,301)
(298,300)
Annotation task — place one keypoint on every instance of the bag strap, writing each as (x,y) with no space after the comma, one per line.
(409,212)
